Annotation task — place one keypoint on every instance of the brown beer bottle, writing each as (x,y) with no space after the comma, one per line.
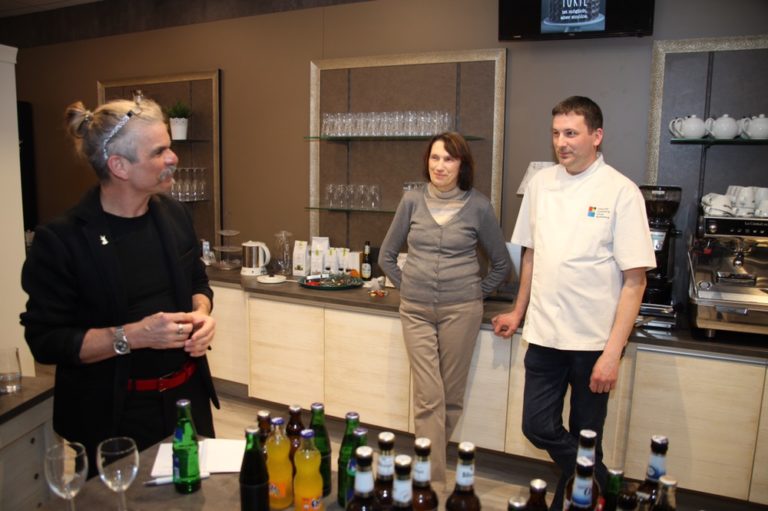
(402,489)
(385,472)
(537,499)
(424,497)
(362,499)
(516,504)
(657,467)
(463,497)
(627,501)
(580,489)
(264,420)
(293,431)
(667,500)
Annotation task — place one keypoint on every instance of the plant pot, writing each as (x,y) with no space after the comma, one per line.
(179,128)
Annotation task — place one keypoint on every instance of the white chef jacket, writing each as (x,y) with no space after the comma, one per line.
(585,230)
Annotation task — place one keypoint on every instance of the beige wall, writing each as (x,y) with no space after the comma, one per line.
(265,89)
(11,227)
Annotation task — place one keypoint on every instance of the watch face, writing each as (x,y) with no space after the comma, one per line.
(121,346)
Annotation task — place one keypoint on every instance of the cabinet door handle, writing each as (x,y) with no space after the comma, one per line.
(724,309)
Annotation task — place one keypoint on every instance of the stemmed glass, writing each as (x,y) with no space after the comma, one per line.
(66,468)
(118,463)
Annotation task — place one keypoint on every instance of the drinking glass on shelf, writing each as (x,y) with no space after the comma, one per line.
(118,462)
(374,194)
(66,468)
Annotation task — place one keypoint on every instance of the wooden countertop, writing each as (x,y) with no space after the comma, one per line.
(725,343)
(34,390)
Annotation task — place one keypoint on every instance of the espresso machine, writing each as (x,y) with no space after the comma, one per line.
(659,309)
(728,263)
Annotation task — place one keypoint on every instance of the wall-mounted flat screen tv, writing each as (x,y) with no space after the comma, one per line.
(527,20)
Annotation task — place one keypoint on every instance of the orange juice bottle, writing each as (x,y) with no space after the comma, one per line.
(279,466)
(308,483)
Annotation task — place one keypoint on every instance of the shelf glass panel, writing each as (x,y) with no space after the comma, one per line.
(382,137)
(351,210)
(718,141)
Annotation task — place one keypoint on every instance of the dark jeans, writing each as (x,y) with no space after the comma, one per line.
(548,373)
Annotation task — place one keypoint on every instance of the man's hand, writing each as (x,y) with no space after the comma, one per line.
(203,330)
(605,373)
(505,325)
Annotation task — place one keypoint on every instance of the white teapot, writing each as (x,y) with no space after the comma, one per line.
(687,127)
(754,128)
(724,127)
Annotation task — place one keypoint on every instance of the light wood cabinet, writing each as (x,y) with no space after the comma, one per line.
(758,491)
(708,406)
(23,441)
(287,359)
(485,401)
(230,351)
(616,421)
(366,368)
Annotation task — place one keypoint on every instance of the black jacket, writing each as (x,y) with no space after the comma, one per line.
(72,279)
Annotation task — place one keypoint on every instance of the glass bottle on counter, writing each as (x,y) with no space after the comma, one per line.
(186,460)
(611,494)
(293,431)
(254,479)
(648,490)
(579,490)
(366,268)
(346,451)
(308,483)
(667,499)
(361,439)
(264,420)
(537,497)
(385,472)
(362,498)
(323,444)
(402,489)
(424,497)
(463,497)
(627,501)
(279,466)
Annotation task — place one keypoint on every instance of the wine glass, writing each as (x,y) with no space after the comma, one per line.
(66,469)
(118,462)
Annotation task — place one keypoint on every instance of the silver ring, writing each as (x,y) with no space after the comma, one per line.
(180,329)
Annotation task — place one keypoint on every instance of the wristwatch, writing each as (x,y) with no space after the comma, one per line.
(120,342)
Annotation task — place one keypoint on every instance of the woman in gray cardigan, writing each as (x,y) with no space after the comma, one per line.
(441,288)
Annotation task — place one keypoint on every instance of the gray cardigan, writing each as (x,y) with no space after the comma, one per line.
(442,265)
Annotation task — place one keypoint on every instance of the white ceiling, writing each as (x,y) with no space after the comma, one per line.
(17,7)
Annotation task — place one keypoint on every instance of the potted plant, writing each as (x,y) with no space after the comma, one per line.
(178,115)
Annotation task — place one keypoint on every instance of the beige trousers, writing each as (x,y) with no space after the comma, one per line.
(440,340)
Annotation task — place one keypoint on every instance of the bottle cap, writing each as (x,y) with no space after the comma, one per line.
(317,406)
(386,440)
(667,480)
(278,421)
(538,485)
(466,451)
(352,416)
(587,438)
(422,446)
(263,414)
(307,433)
(360,432)
(403,464)
(584,466)
(364,456)
(182,403)
(294,408)
(516,503)
(252,430)
(659,444)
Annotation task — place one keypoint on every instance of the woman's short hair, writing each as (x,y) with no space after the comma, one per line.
(456,146)
(109,130)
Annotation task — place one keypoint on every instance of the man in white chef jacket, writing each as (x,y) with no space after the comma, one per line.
(587,248)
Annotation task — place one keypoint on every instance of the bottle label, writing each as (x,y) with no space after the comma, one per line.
(422,471)
(657,467)
(386,466)
(582,492)
(311,504)
(402,491)
(364,482)
(366,270)
(277,489)
(465,475)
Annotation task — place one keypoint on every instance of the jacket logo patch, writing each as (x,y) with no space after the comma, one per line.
(595,212)
(103,239)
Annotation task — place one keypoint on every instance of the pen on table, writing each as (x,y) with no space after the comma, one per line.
(158,481)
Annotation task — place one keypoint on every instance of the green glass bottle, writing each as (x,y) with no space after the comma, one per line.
(323,444)
(615,482)
(346,450)
(186,460)
(361,440)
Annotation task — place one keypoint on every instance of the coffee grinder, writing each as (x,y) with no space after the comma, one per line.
(658,307)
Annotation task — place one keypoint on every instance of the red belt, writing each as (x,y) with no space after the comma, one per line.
(171,381)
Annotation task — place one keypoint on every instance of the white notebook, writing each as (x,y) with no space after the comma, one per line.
(217,455)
